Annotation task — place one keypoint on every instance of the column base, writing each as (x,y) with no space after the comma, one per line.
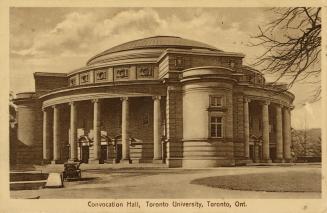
(287,161)
(266,161)
(93,161)
(125,161)
(256,160)
(157,161)
(56,162)
(243,162)
(140,160)
(279,161)
(46,161)
(110,161)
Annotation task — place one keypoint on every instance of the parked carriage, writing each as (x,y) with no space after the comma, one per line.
(72,171)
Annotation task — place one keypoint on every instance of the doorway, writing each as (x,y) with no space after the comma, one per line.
(119,152)
(104,153)
(85,154)
(252,154)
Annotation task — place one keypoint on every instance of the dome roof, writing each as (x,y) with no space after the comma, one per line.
(162,42)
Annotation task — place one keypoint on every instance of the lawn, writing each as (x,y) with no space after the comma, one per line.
(292,181)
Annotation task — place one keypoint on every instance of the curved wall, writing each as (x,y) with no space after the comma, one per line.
(26,115)
(200,149)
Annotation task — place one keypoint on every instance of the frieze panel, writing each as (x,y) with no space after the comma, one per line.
(122,72)
(145,71)
(101,75)
(74,81)
(84,78)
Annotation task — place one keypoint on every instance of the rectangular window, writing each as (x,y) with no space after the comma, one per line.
(216,101)
(179,62)
(216,127)
(232,64)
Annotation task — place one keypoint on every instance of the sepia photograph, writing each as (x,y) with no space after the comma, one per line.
(165,107)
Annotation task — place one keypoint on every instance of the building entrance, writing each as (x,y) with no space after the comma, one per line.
(85,154)
(119,152)
(104,153)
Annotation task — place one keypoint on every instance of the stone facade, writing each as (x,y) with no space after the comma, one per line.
(161,99)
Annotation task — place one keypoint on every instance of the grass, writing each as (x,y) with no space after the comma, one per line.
(271,182)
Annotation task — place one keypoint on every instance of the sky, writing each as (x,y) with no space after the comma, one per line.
(63,39)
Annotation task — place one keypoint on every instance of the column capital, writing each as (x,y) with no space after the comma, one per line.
(72,103)
(56,106)
(156,97)
(247,100)
(277,106)
(96,100)
(124,98)
(265,102)
(288,107)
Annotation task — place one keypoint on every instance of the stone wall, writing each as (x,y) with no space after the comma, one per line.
(46,83)
(200,149)
(174,125)
(238,121)
(29,134)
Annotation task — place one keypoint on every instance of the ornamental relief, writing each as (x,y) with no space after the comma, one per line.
(121,72)
(101,75)
(84,78)
(145,71)
(73,81)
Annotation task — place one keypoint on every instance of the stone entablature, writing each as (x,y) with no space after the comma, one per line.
(144,89)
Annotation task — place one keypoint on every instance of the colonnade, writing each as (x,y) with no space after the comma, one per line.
(95,158)
(283,131)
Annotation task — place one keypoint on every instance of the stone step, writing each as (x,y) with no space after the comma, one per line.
(27,185)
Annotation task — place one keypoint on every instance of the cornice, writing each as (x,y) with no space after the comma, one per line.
(101,85)
(198,52)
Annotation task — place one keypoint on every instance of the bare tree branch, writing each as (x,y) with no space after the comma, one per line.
(292,43)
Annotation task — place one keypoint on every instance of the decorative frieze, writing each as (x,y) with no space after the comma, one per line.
(145,71)
(84,78)
(73,81)
(121,72)
(101,75)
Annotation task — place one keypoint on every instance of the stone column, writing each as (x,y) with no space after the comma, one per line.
(279,134)
(56,135)
(157,148)
(287,134)
(96,132)
(46,136)
(124,130)
(265,132)
(246,128)
(73,132)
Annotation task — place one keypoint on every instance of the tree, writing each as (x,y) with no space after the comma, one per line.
(292,43)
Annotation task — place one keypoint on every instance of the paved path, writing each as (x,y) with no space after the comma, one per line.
(150,183)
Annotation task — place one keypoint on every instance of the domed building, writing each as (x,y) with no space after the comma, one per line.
(162,99)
